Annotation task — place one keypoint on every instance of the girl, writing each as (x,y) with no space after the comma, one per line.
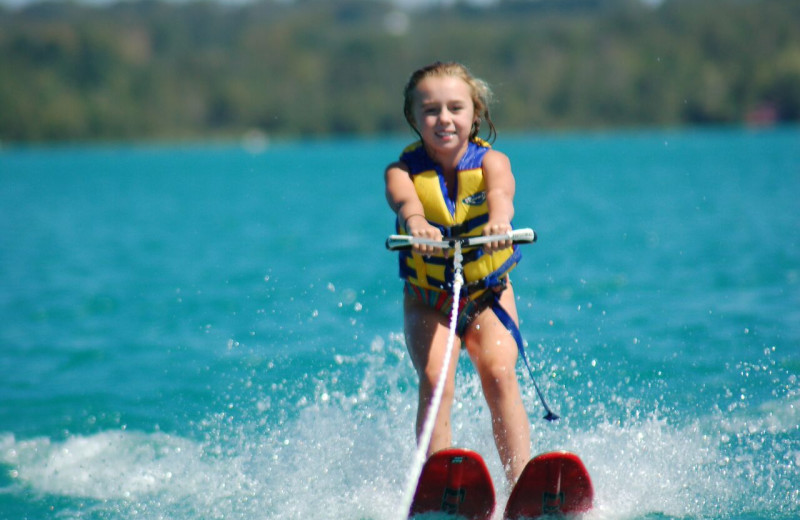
(451,183)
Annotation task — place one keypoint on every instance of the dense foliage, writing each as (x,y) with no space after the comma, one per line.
(151,69)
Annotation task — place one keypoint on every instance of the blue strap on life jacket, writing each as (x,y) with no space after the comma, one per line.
(508,323)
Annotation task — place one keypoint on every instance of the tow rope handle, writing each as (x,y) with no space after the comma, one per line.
(517,236)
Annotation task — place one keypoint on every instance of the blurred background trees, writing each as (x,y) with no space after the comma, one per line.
(151,69)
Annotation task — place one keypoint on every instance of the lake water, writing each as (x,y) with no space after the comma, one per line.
(198,332)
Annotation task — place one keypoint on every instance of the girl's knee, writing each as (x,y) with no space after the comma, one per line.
(428,380)
(499,378)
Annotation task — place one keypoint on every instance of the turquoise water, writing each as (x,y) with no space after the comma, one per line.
(198,332)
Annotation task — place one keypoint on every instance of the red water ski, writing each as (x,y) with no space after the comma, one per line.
(455,481)
(554,483)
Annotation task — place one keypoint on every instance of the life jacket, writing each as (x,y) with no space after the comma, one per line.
(461,216)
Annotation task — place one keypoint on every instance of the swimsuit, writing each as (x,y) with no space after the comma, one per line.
(442,301)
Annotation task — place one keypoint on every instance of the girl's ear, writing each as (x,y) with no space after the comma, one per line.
(413,124)
(476,127)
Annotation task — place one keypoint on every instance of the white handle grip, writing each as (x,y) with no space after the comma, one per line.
(518,236)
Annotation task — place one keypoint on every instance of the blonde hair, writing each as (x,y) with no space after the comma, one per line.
(481,94)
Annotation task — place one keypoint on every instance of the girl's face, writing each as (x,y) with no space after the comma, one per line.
(444,113)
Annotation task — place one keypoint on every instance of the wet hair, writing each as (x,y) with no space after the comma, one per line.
(481,94)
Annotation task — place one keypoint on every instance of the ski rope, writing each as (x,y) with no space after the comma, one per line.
(433,410)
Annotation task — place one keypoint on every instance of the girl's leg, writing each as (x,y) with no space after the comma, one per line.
(426,331)
(494,353)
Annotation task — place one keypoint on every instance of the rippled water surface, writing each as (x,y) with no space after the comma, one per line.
(202,332)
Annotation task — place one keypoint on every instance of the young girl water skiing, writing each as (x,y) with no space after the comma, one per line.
(451,183)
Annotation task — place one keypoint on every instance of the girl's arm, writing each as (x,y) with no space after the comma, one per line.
(402,197)
(500,188)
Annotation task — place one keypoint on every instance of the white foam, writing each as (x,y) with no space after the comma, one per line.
(111,465)
(345,455)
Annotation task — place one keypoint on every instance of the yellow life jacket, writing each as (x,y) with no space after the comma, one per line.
(463,215)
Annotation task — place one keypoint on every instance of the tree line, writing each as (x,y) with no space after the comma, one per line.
(152,69)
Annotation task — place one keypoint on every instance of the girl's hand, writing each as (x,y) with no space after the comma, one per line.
(418,226)
(497,228)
